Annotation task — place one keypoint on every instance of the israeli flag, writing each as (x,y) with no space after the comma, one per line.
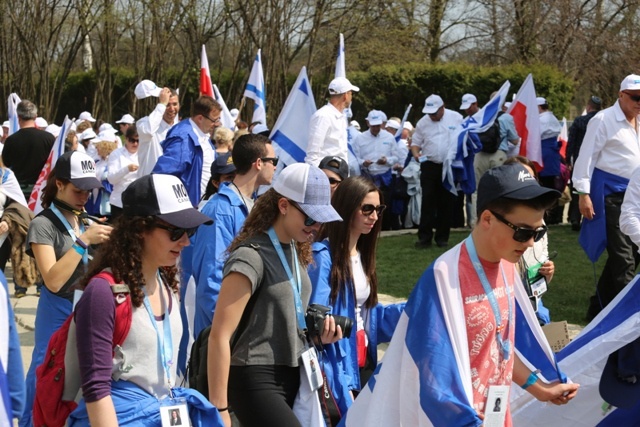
(225,117)
(341,70)
(256,91)
(290,133)
(398,134)
(13,102)
(458,166)
(425,376)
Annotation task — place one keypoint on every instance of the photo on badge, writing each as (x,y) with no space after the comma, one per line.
(176,415)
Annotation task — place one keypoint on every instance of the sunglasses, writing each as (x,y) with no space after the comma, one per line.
(634,98)
(273,160)
(368,209)
(333,182)
(133,140)
(308,221)
(176,233)
(523,234)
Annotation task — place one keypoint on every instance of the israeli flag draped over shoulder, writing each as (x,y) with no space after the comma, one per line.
(290,134)
(458,166)
(425,376)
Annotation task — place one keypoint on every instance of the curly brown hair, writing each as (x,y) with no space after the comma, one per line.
(122,253)
(262,216)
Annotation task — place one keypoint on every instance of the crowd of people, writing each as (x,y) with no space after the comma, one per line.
(283,281)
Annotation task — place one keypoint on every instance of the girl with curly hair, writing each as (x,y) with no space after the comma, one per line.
(257,339)
(128,385)
(344,277)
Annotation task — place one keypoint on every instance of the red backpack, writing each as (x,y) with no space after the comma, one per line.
(58,378)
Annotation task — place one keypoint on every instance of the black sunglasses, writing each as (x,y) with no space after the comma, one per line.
(369,208)
(133,140)
(634,98)
(523,234)
(308,221)
(273,160)
(333,182)
(176,233)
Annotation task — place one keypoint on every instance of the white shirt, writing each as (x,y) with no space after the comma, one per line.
(630,212)
(434,138)
(208,155)
(152,130)
(327,135)
(610,144)
(369,147)
(362,288)
(118,173)
(550,127)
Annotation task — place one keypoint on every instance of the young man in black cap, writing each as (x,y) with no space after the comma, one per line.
(336,169)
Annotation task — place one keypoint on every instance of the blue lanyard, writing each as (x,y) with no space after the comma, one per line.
(295,285)
(505,344)
(61,217)
(166,349)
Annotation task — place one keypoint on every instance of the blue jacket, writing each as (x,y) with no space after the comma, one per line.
(183,157)
(340,360)
(14,370)
(210,244)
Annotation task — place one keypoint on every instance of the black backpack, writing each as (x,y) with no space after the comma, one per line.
(491,137)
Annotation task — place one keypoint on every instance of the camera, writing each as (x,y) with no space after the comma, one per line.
(316,314)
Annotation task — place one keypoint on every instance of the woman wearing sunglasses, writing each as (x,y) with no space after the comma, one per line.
(344,277)
(257,343)
(135,382)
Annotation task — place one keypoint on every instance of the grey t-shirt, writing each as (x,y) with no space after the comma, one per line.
(43,231)
(271,335)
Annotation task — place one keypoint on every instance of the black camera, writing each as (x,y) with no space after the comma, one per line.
(316,314)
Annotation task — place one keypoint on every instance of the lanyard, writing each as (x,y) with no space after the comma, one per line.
(505,344)
(61,217)
(165,343)
(295,285)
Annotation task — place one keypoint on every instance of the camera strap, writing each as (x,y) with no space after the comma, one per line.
(295,283)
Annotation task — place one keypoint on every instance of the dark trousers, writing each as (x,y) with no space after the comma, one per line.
(622,259)
(5,255)
(262,395)
(574,207)
(437,205)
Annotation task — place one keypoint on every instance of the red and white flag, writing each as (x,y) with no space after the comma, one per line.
(206,88)
(563,138)
(524,110)
(56,151)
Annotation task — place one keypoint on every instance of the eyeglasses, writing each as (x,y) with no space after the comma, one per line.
(308,221)
(273,160)
(133,140)
(634,98)
(368,209)
(523,234)
(176,233)
(212,120)
(334,182)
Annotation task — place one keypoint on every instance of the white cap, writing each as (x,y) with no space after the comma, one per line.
(540,100)
(234,113)
(432,104)
(53,129)
(127,118)
(507,104)
(107,135)
(5,124)
(41,122)
(259,128)
(147,88)
(341,85)
(87,134)
(106,126)
(393,124)
(375,118)
(631,82)
(407,125)
(355,124)
(467,100)
(85,115)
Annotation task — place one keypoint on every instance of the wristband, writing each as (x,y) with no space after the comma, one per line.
(226,408)
(582,194)
(533,377)
(82,244)
(79,250)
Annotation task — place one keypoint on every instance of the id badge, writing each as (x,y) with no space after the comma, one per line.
(495,410)
(312,368)
(174,412)
(539,287)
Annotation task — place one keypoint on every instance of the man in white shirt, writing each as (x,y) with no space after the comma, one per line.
(377,151)
(429,145)
(153,129)
(328,125)
(551,174)
(609,154)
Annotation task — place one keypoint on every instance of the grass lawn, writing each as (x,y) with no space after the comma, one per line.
(400,266)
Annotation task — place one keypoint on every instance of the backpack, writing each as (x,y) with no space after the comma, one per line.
(491,137)
(58,377)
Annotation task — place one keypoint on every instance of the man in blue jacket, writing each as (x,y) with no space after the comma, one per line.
(255,162)
(188,151)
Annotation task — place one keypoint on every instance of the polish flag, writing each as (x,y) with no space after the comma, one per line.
(206,88)
(563,138)
(524,110)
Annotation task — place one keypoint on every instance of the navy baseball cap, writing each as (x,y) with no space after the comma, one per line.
(223,164)
(79,169)
(512,181)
